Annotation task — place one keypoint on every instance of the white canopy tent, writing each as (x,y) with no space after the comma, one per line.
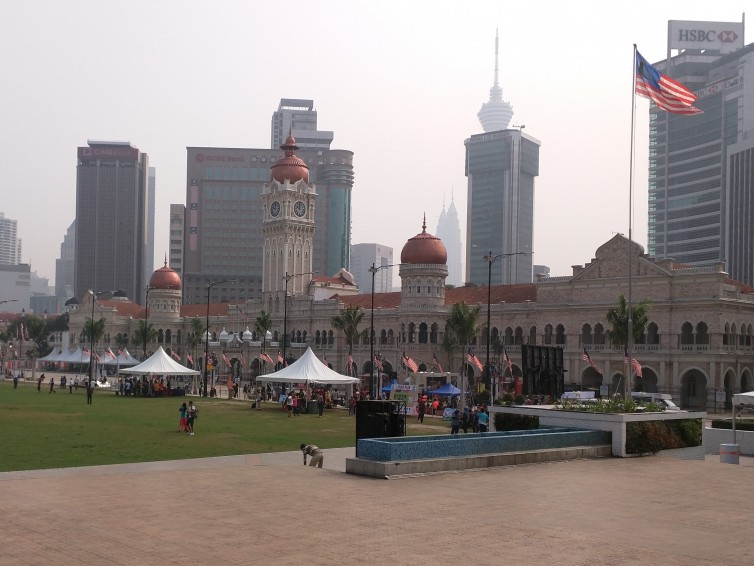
(76,357)
(123,359)
(308,369)
(160,363)
(53,356)
(740,401)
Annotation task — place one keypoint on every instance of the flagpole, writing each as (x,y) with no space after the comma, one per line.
(630,327)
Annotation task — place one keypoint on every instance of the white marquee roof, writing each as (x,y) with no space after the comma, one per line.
(161,364)
(308,369)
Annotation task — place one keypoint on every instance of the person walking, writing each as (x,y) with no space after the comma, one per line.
(52,385)
(183,423)
(15,381)
(455,422)
(484,419)
(193,414)
(316,453)
(89,391)
(258,398)
(289,404)
(320,405)
(39,383)
(421,409)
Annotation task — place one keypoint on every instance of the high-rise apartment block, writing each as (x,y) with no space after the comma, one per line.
(111,219)
(177,227)
(10,244)
(64,267)
(701,174)
(363,256)
(224,214)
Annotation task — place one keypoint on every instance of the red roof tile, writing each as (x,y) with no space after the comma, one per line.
(470,295)
(200,310)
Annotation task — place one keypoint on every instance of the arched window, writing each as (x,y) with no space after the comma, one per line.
(560,338)
(423,333)
(303,336)
(275,337)
(316,337)
(687,334)
(433,333)
(402,335)
(411,333)
(701,333)
(586,335)
(533,335)
(178,337)
(330,338)
(519,338)
(390,337)
(599,334)
(653,335)
(383,337)
(168,336)
(160,336)
(548,334)
(508,336)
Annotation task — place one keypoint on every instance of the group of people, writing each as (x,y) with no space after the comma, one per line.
(188,417)
(475,418)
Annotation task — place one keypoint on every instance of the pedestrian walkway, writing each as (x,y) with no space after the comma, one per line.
(270,509)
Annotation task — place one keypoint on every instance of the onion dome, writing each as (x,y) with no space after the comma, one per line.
(224,336)
(290,167)
(247,335)
(165,278)
(424,248)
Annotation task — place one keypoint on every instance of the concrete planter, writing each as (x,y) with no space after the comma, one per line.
(614,423)
(714,437)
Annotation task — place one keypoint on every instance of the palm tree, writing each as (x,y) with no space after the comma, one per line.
(618,319)
(144,334)
(348,321)
(94,330)
(463,324)
(262,325)
(196,337)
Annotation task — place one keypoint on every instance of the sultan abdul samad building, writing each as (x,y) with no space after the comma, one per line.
(698,339)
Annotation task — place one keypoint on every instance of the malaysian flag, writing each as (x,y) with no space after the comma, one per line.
(175,356)
(508,361)
(409,363)
(109,354)
(635,365)
(378,363)
(226,360)
(243,360)
(266,358)
(472,359)
(280,358)
(190,358)
(350,364)
(666,93)
(437,362)
(587,358)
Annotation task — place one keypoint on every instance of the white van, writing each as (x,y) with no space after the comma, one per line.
(662,399)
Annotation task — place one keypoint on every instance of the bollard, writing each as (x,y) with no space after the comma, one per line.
(729,453)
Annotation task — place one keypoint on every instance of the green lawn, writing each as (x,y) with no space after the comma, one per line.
(43,430)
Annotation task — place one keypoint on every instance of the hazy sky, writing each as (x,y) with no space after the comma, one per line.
(400,84)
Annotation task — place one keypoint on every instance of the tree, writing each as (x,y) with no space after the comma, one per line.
(348,321)
(144,334)
(196,337)
(463,324)
(93,331)
(618,319)
(262,325)
(35,335)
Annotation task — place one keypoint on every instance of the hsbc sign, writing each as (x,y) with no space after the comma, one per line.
(720,36)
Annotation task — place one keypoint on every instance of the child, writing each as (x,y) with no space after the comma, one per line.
(182,424)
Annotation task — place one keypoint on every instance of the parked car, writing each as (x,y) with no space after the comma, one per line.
(662,399)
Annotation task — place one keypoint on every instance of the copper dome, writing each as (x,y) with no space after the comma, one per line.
(165,278)
(290,167)
(424,248)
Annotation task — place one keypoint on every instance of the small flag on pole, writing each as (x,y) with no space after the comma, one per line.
(409,363)
(588,359)
(280,358)
(507,360)
(635,365)
(437,362)
(472,359)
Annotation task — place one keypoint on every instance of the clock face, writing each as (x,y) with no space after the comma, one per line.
(299,208)
(275,208)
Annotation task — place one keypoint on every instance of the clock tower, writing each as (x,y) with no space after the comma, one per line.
(288,227)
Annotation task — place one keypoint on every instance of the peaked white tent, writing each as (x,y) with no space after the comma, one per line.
(53,356)
(743,398)
(308,369)
(76,357)
(123,359)
(161,364)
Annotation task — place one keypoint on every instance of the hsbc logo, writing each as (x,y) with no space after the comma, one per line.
(709,36)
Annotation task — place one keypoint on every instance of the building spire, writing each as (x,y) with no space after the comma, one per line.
(497,113)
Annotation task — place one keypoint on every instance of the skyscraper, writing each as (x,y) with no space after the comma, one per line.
(224,214)
(111,219)
(362,258)
(10,245)
(500,168)
(449,231)
(65,266)
(699,188)
(298,118)
(151,193)
(177,224)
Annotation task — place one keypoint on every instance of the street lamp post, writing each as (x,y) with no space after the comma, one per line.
(288,277)
(91,335)
(5,362)
(146,326)
(490,259)
(374,387)
(207,335)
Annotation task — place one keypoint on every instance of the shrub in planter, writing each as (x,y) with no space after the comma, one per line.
(507,398)
(690,431)
(519,400)
(652,436)
(505,421)
(727,424)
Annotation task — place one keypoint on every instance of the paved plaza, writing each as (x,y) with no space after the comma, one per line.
(270,509)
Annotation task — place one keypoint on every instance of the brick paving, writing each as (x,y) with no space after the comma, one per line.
(270,509)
